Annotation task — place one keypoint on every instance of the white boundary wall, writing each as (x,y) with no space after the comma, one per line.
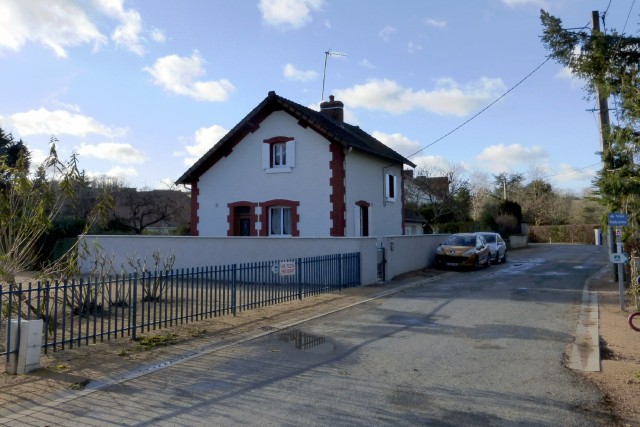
(403,253)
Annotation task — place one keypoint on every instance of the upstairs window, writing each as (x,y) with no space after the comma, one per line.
(390,187)
(278,154)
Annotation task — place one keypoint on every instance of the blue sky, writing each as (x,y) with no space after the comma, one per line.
(139,90)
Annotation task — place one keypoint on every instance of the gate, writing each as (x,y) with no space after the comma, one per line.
(382,262)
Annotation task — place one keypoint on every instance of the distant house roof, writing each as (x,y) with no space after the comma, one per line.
(335,131)
(414,217)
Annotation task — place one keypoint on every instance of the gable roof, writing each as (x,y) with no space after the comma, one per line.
(342,133)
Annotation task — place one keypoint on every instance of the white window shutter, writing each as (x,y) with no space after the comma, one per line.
(291,153)
(266,156)
(387,191)
(357,232)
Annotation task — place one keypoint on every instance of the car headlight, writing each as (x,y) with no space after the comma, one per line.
(469,252)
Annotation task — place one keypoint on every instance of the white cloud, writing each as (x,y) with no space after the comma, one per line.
(58,122)
(158,36)
(292,73)
(500,158)
(447,98)
(54,24)
(386,32)
(365,63)
(568,173)
(413,47)
(126,34)
(120,173)
(204,138)
(398,142)
(168,184)
(113,151)
(178,75)
(288,13)
(435,23)
(37,156)
(432,164)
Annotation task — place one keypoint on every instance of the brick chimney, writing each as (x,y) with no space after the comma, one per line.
(333,109)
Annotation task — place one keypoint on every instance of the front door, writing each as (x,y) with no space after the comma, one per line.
(242,221)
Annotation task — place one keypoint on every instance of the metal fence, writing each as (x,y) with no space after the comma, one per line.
(83,311)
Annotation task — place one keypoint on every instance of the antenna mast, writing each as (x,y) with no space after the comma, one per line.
(324,74)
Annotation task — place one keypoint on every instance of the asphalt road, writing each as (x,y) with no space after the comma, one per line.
(470,348)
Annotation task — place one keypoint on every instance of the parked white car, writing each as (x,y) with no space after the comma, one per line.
(497,246)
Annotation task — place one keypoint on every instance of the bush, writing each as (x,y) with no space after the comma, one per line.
(571,233)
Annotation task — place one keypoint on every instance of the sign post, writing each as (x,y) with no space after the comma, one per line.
(618,220)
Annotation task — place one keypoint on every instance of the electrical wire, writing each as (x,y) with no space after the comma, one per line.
(571,171)
(483,110)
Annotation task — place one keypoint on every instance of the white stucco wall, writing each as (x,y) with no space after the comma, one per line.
(191,252)
(403,253)
(410,253)
(365,181)
(240,177)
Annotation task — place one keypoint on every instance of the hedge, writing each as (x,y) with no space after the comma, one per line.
(571,233)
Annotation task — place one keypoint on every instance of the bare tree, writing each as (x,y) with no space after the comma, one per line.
(441,193)
(138,210)
(481,195)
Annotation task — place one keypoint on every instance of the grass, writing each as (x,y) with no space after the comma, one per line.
(161,340)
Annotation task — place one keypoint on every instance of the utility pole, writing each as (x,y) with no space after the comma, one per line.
(603,110)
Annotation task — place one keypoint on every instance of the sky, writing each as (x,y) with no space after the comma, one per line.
(140,89)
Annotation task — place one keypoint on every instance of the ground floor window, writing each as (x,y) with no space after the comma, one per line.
(280,221)
(280,217)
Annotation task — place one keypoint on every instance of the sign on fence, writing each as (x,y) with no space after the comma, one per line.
(287,268)
(284,268)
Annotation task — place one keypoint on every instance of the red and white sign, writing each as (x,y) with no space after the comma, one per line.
(287,268)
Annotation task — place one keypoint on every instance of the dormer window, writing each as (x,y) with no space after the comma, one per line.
(278,154)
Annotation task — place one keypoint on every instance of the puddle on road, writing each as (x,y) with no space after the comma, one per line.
(307,342)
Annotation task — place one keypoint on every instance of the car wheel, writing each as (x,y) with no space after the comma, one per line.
(476,265)
(488,263)
(504,257)
(497,257)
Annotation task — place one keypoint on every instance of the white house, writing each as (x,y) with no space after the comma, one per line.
(287,170)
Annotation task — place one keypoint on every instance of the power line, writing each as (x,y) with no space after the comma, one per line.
(571,171)
(483,110)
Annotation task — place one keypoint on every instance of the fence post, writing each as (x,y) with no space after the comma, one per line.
(340,278)
(134,309)
(233,289)
(299,273)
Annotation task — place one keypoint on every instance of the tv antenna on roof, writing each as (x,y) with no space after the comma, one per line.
(327,54)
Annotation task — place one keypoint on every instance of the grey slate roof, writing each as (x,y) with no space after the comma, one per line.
(341,133)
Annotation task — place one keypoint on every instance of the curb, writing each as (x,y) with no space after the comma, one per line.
(584,353)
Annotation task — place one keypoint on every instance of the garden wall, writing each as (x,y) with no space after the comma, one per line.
(403,253)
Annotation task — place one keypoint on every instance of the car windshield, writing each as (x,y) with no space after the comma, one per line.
(490,238)
(461,241)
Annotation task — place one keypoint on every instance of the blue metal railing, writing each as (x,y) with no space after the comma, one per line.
(82,311)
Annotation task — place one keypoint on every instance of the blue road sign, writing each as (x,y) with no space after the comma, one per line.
(617,219)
